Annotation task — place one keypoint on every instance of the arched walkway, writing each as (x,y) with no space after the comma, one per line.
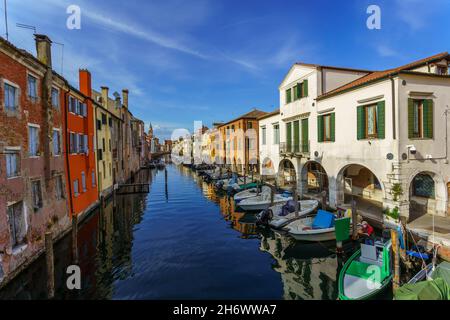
(358,183)
(428,194)
(314,178)
(287,176)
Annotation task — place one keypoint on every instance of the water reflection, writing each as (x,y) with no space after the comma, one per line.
(159,245)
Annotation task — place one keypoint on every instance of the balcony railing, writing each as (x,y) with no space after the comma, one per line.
(296,148)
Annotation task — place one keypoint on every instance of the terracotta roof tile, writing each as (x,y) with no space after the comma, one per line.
(376,75)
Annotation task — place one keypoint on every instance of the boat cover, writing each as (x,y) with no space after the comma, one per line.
(323,220)
(436,289)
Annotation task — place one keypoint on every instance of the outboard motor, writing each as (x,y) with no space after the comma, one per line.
(289,207)
(219,185)
(264,217)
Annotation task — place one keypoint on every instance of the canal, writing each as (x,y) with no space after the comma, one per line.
(182,241)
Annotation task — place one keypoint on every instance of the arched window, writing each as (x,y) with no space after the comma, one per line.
(423,186)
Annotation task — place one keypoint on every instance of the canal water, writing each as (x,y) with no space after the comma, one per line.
(182,241)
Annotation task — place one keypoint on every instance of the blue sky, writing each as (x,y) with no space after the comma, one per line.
(212,60)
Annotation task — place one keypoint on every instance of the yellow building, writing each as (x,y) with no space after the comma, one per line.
(105,141)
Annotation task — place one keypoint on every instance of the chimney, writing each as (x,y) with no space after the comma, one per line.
(125,97)
(44,49)
(85,82)
(105,93)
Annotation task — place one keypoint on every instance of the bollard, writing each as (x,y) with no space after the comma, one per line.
(50,265)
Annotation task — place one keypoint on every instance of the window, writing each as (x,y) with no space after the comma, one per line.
(298,91)
(10,97)
(109,145)
(83,181)
(81,147)
(249,125)
(32,87)
(12,164)
(72,105)
(420,118)
(276,134)
(263,135)
(33,141)
(99,154)
(423,186)
(325,127)
(288,96)
(76,191)
(104,145)
(37,194)
(103,118)
(83,109)
(56,143)
(72,143)
(110,122)
(370,121)
(441,70)
(55,98)
(99,125)
(59,188)
(93,178)
(17,224)
(77,107)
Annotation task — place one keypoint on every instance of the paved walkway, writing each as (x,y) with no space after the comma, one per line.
(423,227)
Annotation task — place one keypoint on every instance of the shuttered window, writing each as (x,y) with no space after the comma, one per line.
(288,135)
(371,121)
(296,136)
(305,135)
(288,96)
(420,118)
(326,127)
(305,88)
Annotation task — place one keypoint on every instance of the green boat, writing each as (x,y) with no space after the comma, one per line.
(367,272)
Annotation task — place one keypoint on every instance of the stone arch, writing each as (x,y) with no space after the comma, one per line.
(359,182)
(427,193)
(287,175)
(314,178)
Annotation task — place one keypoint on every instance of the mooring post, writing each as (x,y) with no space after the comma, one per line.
(75,239)
(272,195)
(295,197)
(396,254)
(354,221)
(324,200)
(50,265)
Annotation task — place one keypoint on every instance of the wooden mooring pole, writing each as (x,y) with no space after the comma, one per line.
(354,221)
(75,239)
(295,197)
(50,265)
(396,255)
(324,200)
(272,195)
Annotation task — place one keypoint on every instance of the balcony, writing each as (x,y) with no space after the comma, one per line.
(297,149)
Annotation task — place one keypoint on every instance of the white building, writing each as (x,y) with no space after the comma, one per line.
(377,137)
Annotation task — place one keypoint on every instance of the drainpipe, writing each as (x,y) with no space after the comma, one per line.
(393,108)
(66,112)
(96,151)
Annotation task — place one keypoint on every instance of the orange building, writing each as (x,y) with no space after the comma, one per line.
(79,146)
(239,139)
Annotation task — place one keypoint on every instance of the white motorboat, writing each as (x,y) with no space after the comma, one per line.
(249,193)
(262,201)
(279,220)
(318,228)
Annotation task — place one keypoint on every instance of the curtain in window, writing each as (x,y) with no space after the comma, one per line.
(371,128)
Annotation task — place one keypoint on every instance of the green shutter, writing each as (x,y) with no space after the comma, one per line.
(305,88)
(428,119)
(288,136)
(288,96)
(332,125)
(360,123)
(381,120)
(410,118)
(320,128)
(298,94)
(296,136)
(305,135)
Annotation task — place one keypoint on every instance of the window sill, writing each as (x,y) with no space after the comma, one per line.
(12,178)
(34,157)
(418,139)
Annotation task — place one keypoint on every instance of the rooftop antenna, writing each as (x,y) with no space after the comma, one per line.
(62,56)
(6,21)
(26,26)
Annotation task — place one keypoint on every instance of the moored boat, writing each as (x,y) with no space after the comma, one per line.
(262,201)
(367,272)
(284,214)
(318,228)
(249,193)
